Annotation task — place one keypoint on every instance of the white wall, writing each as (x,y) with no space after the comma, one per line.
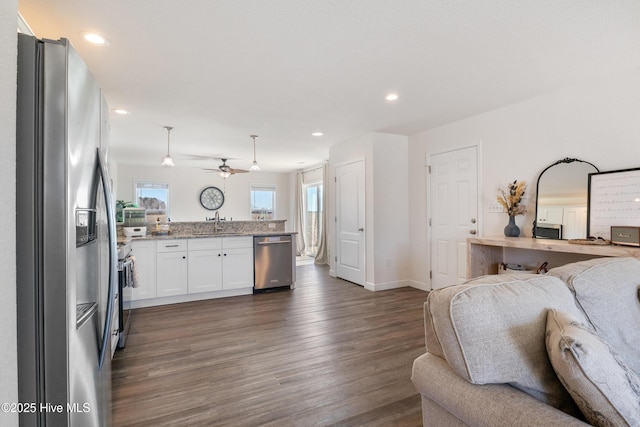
(186,184)
(8,332)
(386,205)
(390,210)
(598,122)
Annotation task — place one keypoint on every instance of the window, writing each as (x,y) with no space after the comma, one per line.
(154,197)
(263,201)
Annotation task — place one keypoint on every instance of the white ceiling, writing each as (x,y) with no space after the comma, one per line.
(220,70)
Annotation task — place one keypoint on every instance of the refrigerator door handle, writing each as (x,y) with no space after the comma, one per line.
(113,256)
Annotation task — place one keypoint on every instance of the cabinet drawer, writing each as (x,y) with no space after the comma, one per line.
(172,245)
(237,242)
(205,244)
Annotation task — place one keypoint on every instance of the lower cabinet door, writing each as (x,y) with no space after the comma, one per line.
(237,270)
(145,255)
(205,271)
(171,277)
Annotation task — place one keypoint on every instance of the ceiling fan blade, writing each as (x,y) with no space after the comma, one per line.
(217,157)
(199,157)
(238,171)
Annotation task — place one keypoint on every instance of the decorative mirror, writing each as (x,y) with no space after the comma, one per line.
(561,200)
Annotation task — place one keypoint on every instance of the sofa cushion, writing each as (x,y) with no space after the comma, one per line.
(433,346)
(493,333)
(605,389)
(606,289)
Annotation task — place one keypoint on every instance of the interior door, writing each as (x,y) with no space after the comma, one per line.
(350,220)
(453,191)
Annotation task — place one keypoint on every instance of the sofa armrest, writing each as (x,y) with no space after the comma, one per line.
(482,405)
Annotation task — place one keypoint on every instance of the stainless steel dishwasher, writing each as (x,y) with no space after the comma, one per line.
(273,257)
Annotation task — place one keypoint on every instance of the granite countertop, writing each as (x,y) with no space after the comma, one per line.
(165,236)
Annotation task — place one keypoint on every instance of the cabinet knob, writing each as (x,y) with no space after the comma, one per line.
(184,257)
(472,231)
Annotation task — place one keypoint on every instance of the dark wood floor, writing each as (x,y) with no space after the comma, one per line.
(327,353)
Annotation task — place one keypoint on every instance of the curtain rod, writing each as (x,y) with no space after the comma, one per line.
(312,170)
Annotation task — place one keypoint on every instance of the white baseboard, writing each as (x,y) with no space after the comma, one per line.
(387,285)
(151,302)
(419,285)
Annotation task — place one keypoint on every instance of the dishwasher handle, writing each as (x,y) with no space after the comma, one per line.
(274,242)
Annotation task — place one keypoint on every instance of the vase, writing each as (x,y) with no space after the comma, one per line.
(512,230)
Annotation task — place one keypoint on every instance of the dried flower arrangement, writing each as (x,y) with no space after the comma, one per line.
(511,198)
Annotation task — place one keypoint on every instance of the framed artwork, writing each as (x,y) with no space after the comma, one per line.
(614,199)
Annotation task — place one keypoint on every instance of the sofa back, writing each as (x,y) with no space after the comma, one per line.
(607,291)
(492,330)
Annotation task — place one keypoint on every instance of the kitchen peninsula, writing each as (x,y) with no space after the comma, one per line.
(198,260)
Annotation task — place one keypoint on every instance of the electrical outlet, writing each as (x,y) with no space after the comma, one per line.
(272,225)
(495,207)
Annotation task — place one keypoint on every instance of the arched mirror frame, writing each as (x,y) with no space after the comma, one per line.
(535,233)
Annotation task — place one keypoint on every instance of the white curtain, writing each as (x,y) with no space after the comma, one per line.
(298,221)
(322,257)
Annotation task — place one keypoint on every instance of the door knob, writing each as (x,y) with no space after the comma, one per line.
(472,231)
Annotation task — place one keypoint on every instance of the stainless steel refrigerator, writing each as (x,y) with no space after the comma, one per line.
(66,250)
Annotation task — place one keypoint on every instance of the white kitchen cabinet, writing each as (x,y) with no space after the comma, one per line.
(237,268)
(237,262)
(171,268)
(181,270)
(550,214)
(144,252)
(205,271)
(220,263)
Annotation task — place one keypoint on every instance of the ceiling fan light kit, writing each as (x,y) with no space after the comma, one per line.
(225,171)
(168,160)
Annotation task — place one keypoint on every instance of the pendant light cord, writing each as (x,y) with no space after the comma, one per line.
(168,128)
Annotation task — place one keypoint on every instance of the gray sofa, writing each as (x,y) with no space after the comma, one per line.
(561,349)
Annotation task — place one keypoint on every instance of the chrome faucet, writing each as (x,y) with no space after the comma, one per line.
(216,226)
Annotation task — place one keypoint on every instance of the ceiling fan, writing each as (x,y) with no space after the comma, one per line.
(225,170)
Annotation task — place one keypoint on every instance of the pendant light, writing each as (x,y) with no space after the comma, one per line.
(254,166)
(168,161)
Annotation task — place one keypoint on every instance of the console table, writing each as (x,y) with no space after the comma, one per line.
(485,254)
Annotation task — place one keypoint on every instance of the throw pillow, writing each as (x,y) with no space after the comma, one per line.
(604,388)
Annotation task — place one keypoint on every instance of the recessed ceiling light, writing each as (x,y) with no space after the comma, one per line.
(317,134)
(391,97)
(121,112)
(96,39)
